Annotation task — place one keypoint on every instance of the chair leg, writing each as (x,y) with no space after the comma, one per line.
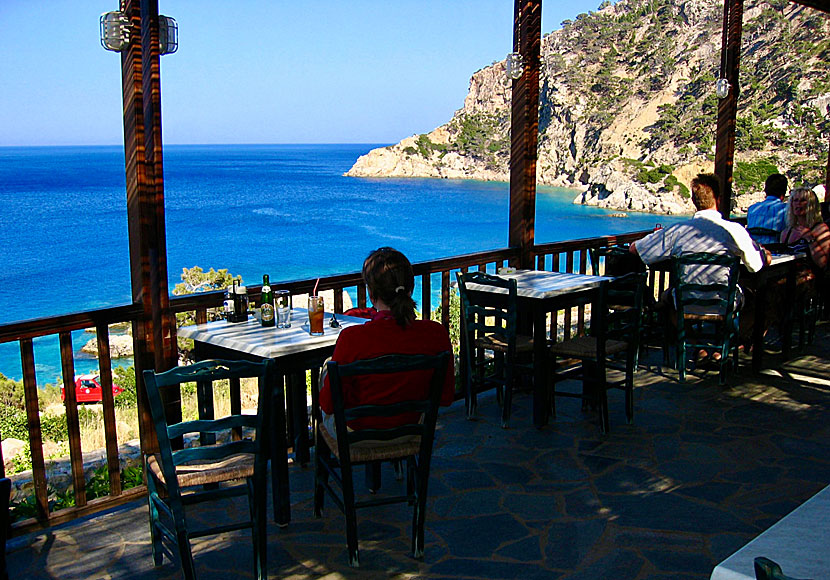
(470,401)
(321,476)
(185,554)
(351,515)
(155,535)
(372,475)
(508,397)
(419,514)
(256,496)
(629,390)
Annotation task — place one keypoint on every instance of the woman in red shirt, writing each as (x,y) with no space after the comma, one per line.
(393,329)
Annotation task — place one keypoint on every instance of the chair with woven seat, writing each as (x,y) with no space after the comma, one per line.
(203,473)
(390,432)
(489,325)
(707,315)
(613,343)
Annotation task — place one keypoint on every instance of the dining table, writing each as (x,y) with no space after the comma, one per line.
(295,351)
(797,542)
(539,293)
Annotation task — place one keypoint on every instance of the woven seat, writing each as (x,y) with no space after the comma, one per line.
(489,324)
(585,347)
(502,344)
(181,477)
(203,472)
(614,333)
(366,451)
(337,454)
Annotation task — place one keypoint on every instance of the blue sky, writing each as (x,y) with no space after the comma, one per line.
(277,71)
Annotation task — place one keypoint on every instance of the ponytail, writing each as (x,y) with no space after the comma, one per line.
(389,277)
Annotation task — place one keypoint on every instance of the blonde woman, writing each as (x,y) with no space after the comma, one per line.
(805,228)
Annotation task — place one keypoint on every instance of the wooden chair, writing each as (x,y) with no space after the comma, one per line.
(176,479)
(490,326)
(337,453)
(615,332)
(766,569)
(706,315)
(5,496)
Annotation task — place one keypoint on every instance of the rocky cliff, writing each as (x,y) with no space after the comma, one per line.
(628,110)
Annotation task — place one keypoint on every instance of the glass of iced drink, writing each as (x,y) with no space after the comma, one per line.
(315,315)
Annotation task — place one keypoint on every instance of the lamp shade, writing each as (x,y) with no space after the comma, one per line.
(115,31)
(168,35)
(514,65)
(722,88)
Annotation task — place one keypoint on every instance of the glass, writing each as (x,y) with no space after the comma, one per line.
(315,315)
(282,298)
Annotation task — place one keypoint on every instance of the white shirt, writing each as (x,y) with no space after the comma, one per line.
(706,232)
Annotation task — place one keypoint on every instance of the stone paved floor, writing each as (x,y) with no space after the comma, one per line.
(701,471)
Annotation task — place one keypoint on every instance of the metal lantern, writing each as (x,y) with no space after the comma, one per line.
(168,35)
(514,66)
(722,88)
(115,31)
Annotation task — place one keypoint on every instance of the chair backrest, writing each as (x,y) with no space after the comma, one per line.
(206,372)
(705,283)
(618,260)
(618,312)
(495,313)
(764,235)
(414,417)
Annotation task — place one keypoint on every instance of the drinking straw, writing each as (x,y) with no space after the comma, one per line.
(314,292)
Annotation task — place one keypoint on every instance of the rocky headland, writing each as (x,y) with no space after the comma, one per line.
(628,110)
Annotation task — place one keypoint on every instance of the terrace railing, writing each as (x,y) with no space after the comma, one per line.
(436,281)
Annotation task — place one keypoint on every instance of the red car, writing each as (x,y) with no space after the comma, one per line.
(88,389)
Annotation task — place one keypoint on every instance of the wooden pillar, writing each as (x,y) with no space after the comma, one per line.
(154,334)
(524,129)
(728,107)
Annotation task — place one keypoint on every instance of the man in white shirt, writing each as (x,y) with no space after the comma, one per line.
(706,232)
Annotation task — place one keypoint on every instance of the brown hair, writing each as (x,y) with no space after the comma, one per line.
(776,185)
(389,277)
(813,214)
(705,191)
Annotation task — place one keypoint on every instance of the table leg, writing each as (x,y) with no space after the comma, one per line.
(279,456)
(759,326)
(540,368)
(787,322)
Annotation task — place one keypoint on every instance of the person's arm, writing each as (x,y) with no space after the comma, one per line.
(819,240)
(633,249)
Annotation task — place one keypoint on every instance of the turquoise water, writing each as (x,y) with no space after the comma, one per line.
(285,210)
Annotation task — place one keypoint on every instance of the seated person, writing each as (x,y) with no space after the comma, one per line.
(706,232)
(393,329)
(770,213)
(805,228)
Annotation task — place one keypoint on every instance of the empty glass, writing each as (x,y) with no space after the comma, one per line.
(282,299)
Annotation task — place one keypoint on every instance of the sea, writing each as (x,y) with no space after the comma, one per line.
(284,210)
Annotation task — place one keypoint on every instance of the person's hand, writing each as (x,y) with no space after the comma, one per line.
(767,257)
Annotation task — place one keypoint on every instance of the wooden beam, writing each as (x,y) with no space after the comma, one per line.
(728,107)
(823,5)
(524,129)
(154,332)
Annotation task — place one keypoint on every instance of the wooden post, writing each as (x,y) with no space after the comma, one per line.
(154,334)
(728,107)
(524,130)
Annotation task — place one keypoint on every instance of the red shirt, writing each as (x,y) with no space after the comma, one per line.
(383,335)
